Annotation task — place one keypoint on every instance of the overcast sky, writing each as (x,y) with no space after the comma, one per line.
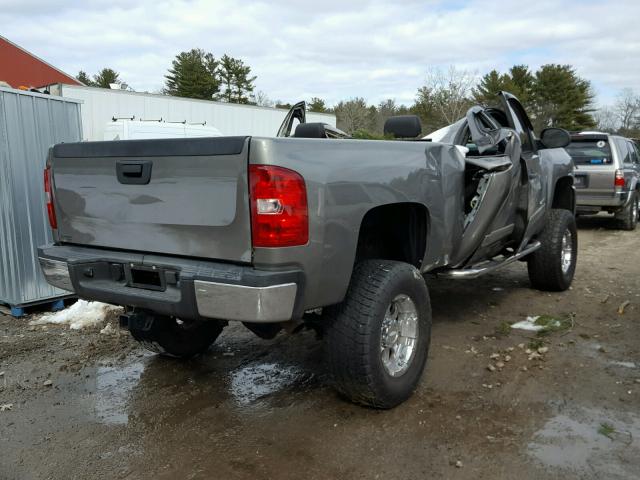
(334,49)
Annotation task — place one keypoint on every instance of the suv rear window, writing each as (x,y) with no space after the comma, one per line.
(590,152)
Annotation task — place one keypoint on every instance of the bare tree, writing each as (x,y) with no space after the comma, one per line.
(606,119)
(627,111)
(450,92)
(387,108)
(261,99)
(352,115)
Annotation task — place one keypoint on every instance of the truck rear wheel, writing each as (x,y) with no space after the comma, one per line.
(627,218)
(170,337)
(553,265)
(377,339)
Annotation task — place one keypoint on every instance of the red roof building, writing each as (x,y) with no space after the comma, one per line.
(20,68)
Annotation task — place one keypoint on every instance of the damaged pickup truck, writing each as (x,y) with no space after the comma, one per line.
(310,228)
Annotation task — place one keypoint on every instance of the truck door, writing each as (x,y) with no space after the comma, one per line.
(296,115)
(536,186)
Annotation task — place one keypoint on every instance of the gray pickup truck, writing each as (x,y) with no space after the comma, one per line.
(310,229)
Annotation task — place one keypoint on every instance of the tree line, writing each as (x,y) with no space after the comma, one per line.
(194,74)
(553,95)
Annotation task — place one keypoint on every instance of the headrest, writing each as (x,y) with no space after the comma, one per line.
(310,130)
(403,126)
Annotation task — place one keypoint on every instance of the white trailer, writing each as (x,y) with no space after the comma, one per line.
(102,105)
(138,130)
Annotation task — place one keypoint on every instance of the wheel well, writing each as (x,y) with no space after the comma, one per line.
(564,194)
(394,232)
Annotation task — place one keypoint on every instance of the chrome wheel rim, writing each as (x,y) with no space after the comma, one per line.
(399,337)
(567,250)
(634,212)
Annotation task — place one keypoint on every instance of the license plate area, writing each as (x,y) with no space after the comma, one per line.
(147,277)
(581,181)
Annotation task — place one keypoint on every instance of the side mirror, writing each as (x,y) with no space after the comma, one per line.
(555,138)
(403,126)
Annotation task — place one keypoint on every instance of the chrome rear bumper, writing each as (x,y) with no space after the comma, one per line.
(248,304)
(184,288)
(56,273)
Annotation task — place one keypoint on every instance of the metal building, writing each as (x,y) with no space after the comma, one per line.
(29,124)
(101,105)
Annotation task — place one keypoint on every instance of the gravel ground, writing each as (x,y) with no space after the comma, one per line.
(494,402)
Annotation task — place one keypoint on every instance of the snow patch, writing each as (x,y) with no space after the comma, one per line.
(81,314)
(528,324)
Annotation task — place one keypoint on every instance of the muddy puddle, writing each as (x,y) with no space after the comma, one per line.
(589,441)
(251,383)
(113,388)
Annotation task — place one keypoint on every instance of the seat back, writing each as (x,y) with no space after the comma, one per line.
(403,126)
(310,130)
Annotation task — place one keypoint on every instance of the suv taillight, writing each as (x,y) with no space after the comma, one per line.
(47,191)
(618,183)
(279,212)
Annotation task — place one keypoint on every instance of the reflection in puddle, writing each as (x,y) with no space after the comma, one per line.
(256,381)
(590,441)
(624,364)
(113,385)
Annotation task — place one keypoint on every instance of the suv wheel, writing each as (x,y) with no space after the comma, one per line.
(171,337)
(627,218)
(377,339)
(553,265)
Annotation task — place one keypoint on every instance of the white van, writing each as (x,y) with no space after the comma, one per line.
(125,129)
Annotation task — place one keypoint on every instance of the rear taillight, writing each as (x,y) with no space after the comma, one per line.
(279,212)
(47,191)
(619,180)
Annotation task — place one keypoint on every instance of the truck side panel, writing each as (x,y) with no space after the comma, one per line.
(344,181)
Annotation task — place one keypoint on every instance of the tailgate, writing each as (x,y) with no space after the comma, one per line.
(172,196)
(595,180)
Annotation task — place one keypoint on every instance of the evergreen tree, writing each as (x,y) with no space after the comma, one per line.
(521,84)
(555,96)
(84,78)
(105,77)
(425,108)
(317,105)
(236,80)
(194,75)
(562,99)
(490,84)
(519,81)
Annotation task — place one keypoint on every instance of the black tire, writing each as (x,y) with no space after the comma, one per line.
(169,337)
(545,264)
(354,333)
(627,218)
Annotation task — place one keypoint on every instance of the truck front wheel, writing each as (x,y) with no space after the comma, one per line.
(553,265)
(377,339)
(171,337)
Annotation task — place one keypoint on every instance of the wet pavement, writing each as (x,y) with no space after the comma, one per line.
(252,408)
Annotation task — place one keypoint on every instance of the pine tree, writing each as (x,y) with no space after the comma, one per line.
(105,77)
(317,104)
(84,78)
(193,75)
(490,84)
(521,84)
(562,99)
(555,96)
(236,80)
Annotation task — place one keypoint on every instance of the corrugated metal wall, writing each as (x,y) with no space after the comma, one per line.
(101,105)
(29,124)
